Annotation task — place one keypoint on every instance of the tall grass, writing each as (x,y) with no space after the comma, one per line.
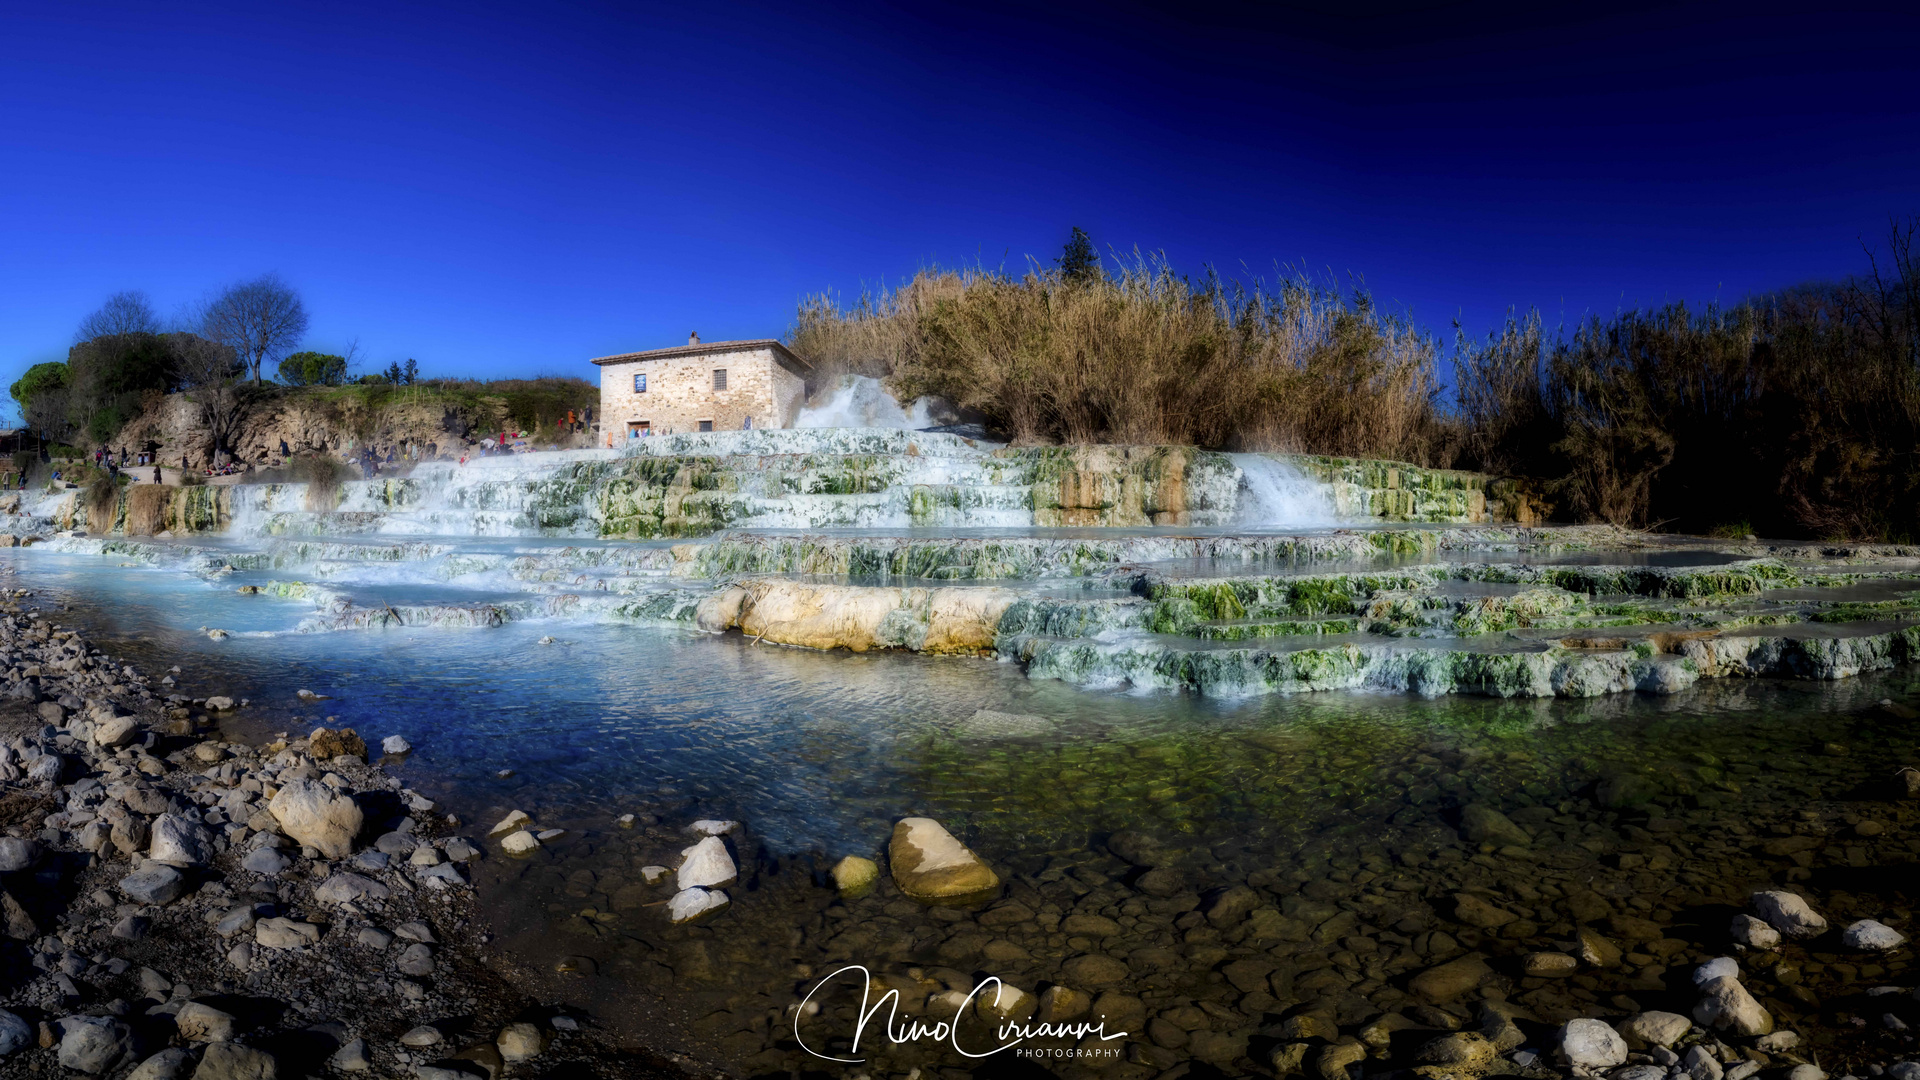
(1146,356)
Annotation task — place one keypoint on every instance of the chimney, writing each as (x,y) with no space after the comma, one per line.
(693,338)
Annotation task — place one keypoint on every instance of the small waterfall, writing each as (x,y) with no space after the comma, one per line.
(862,402)
(1276,495)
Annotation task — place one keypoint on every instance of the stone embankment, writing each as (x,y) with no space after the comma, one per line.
(178,906)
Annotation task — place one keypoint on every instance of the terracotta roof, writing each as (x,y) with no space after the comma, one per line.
(780,352)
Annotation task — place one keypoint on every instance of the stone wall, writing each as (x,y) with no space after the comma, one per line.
(680,393)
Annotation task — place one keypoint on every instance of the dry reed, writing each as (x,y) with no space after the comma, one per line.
(1145,356)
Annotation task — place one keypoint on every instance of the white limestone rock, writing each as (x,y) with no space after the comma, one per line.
(343,888)
(690,904)
(318,817)
(706,865)
(117,732)
(154,884)
(929,864)
(521,1041)
(1754,933)
(1727,1006)
(511,823)
(1591,1043)
(1720,967)
(1871,936)
(175,841)
(1701,1065)
(1656,1028)
(93,1044)
(519,843)
(1788,913)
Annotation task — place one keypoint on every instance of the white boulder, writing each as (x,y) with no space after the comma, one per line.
(1720,967)
(1871,936)
(1656,1028)
(1729,1007)
(706,865)
(1754,933)
(929,864)
(690,904)
(1591,1043)
(318,816)
(175,841)
(1788,913)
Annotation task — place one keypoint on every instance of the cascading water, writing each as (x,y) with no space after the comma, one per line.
(1277,495)
(862,402)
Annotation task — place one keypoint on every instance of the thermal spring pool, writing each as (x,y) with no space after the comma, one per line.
(1282,765)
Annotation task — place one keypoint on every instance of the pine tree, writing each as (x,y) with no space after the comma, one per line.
(1078,261)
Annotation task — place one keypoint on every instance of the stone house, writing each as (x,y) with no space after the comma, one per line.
(700,386)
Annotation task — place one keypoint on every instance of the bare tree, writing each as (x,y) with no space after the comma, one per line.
(260,320)
(211,373)
(47,413)
(124,313)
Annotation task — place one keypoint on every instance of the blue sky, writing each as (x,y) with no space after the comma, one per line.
(512,189)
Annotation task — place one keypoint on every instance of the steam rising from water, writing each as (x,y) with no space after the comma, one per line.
(861,401)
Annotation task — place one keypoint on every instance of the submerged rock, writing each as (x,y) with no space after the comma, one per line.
(516,820)
(693,903)
(1445,982)
(854,876)
(929,864)
(1482,824)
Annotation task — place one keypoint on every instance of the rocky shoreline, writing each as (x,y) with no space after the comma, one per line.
(179,906)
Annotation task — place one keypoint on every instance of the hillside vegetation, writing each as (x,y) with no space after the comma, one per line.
(1790,414)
